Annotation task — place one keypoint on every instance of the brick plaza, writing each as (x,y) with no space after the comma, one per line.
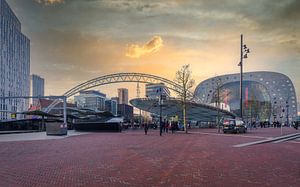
(200,158)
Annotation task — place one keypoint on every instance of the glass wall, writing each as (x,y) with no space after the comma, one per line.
(256,100)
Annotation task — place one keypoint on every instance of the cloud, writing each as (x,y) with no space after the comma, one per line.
(152,46)
(50,2)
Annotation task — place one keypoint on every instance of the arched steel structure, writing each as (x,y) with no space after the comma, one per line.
(123,77)
(118,78)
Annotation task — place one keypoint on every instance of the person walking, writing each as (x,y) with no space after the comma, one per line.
(172,126)
(167,126)
(146,127)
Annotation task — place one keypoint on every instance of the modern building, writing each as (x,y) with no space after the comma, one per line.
(125,111)
(111,106)
(14,63)
(37,87)
(91,99)
(267,96)
(115,99)
(154,91)
(123,96)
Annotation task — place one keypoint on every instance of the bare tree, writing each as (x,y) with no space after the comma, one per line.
(184,79)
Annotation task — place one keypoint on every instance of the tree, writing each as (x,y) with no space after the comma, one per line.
(184,79)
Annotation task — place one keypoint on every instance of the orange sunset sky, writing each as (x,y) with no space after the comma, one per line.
(76,40)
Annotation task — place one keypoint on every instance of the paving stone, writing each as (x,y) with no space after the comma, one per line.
(200,158)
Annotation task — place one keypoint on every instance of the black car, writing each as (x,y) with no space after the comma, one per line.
(234,126)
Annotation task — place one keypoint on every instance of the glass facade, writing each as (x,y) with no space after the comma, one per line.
(154,91)
(267,95)
(256,100)
(14,63)
(36,87)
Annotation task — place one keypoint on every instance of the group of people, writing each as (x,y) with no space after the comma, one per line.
(275,124)
(164,127)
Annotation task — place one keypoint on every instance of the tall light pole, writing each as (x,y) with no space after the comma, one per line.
(160,111)
(218,84)
(244,52)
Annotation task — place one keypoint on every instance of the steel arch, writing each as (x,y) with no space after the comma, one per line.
(123,77)
(118,78)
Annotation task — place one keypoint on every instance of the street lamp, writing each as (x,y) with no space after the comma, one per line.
(244,51)
(218,86)
(160,111)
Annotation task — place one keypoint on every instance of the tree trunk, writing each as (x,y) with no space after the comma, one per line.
(184,118)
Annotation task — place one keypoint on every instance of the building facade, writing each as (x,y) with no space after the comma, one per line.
(115,99)
(37,87)
(14,63)
(111,106)
(123,96)
(267,96)
(125,111)
(154,91)
(91,99)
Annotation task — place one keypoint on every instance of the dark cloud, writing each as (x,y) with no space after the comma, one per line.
(80,38)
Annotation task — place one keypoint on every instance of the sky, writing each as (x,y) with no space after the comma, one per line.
(73,41)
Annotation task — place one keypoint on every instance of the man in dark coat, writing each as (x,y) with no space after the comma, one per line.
(146,128)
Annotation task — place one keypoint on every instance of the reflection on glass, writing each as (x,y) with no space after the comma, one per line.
(256,100)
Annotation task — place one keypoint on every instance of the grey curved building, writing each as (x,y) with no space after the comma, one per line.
(267,96)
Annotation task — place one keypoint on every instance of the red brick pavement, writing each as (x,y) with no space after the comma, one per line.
(133,159)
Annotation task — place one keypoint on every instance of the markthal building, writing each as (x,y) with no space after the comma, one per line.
(267,96)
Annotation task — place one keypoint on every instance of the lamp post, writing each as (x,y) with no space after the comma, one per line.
(160,112)
(218,85)
(244,52)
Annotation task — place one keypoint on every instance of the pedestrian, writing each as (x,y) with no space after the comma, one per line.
(172,126)
(167,127)
(146,127)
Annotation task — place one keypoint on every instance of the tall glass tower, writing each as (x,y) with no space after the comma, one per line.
(14,63)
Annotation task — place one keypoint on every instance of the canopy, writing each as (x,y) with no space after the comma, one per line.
(173,107)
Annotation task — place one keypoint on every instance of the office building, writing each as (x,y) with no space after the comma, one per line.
(123,96)
(37,86)
(115,99)
(154,91)
(111,106)
(14,63)
(91,99)
(125,111)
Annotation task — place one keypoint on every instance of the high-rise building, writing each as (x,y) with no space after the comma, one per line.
(115,99)
(153,91)
(14,63)
(37,85)
(111,106)
(91,99)
(125,111)
(123,96)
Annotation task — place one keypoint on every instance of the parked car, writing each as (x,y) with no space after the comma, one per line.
(234,126)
